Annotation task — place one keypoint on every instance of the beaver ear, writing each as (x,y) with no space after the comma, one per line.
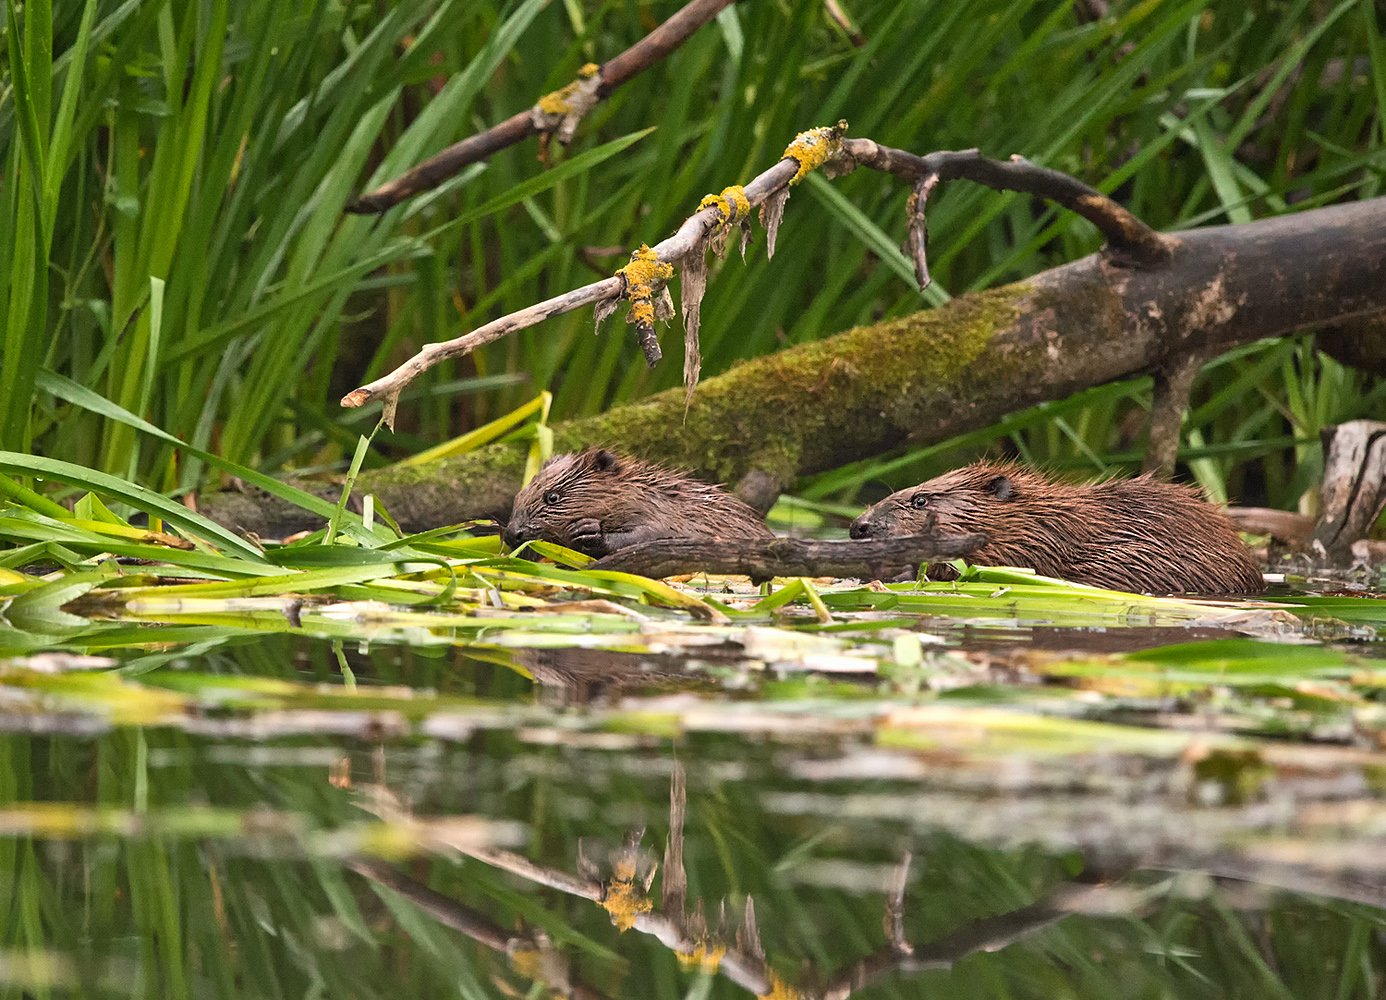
(604,461)
(1000,487)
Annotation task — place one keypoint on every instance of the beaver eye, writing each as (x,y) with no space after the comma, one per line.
(919,501)
(551,497)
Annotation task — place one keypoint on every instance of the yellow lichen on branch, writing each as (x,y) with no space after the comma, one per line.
(645,268)
(814,148)
(625,899)
(558,113)
(732,202)
(703,958)
(538,960)
(560,102)
(526,961)
(735,209)
(779,990)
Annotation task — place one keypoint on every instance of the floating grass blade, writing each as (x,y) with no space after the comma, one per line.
(136,496)
(65,388)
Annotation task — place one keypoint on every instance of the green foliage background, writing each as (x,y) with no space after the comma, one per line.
(181,167)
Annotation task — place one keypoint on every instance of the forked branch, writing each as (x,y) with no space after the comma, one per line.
(1126,234)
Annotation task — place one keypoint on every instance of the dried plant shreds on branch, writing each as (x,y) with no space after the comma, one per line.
(556,114)
(1128,237)
(736,211)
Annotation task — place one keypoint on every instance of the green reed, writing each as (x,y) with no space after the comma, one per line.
(183,167)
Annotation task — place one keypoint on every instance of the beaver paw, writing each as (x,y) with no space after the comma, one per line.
(585,535)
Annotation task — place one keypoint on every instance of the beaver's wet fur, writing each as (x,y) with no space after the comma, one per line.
(597,502)
(1140,534)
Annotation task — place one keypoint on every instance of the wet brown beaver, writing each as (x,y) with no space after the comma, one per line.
(597,502)
(1125,534)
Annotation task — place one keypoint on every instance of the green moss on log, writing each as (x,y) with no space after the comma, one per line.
(802,408)
(811,407)
(460,472)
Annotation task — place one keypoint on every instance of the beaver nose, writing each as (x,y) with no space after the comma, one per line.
(517,532)
(861,528)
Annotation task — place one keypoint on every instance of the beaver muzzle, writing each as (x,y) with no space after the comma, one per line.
(518,531)
(867,526)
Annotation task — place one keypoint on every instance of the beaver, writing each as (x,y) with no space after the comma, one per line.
(1137,534)
(597,501)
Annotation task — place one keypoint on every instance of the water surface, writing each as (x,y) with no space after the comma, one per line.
(277,798)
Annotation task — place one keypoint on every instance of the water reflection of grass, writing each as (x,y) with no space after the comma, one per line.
(764,877)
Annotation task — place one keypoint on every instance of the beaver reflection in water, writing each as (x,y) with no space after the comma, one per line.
(1138,534)
(598,502)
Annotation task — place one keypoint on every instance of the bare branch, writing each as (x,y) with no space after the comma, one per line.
(391,384)
(532,955)
(1173,383)
(690,236)
(553,878)
(1127,234)
(533,121)
(919,228)
(438,168)
(988,934)
(1286,525)
(444,909)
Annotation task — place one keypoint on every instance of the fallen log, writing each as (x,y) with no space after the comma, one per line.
(765,558)
(939,372)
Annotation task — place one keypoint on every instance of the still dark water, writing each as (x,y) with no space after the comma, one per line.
(966,813)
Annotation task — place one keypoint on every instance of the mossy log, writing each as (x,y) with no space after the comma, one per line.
(941,372)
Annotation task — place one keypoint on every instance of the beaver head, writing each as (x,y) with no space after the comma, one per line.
(970,499)
(567,492)
(597,501)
